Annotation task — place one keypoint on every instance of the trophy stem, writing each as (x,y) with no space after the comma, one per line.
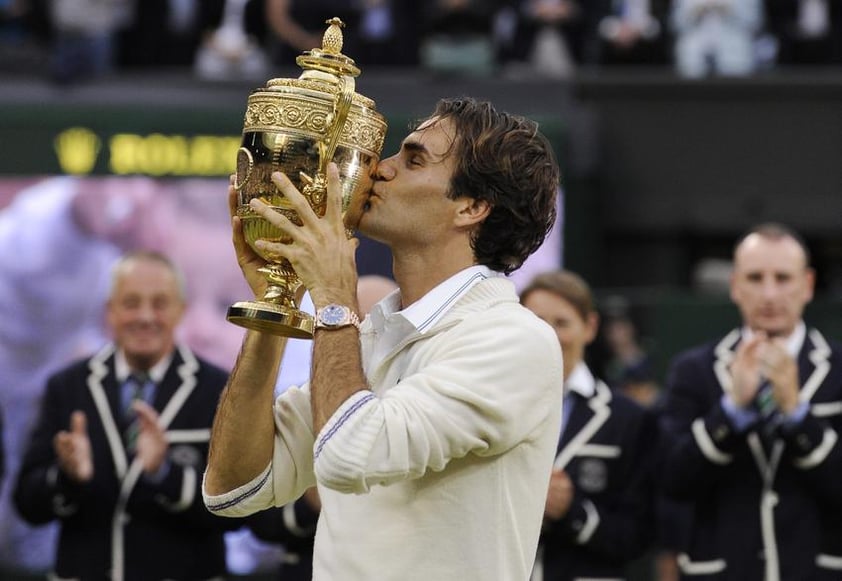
(276,312)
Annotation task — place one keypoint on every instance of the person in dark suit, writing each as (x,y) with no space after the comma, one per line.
(600,502)
(119,450)
(752,423)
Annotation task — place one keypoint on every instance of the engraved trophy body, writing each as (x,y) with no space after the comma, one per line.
(298,126)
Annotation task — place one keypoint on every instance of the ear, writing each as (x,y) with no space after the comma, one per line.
(591,327)
(108,313)
(810,277)
(471,212)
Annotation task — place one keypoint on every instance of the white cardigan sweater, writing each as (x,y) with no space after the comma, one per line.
(440,471)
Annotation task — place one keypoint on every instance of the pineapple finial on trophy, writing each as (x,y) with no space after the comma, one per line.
(329,59)
(332,39)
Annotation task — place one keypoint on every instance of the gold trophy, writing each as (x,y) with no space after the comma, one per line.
(298,126)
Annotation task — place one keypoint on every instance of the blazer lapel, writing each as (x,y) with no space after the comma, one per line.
(101,374)
(587,416)
(178,384)
(813,364)
(723,355)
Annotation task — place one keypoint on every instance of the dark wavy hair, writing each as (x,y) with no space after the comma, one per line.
(503,159)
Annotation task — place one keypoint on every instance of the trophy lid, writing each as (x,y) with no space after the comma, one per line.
(324,69)
(320,101)
(329,58)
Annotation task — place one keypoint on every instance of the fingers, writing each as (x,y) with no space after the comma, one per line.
(242,250)
(296,200)
(310,222)
(333,211)
(238,238)
(750,348)
(768,355)
(273,217)
(73,449)
(61,443)
(146,414)
(233,196)
(79,424)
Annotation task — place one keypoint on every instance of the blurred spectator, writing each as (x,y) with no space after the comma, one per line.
(59,238)
(716,37)
(751,423)
(627,366)
(458,37)
(629,32)
(550,36)
(599,511)
(121,443)
(807,31)
(85,36)
(229,51)
(296,26)
(167,32)
(25,35)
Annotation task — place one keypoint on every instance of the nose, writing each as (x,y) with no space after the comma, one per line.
(770,288)
(385,169)
(146,312)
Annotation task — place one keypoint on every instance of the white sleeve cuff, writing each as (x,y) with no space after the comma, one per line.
(247,499)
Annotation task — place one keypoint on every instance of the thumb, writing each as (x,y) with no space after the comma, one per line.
(79,423)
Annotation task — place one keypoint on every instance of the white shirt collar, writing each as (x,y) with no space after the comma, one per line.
(581,380)
(794,341)
(426,311)
(156,373)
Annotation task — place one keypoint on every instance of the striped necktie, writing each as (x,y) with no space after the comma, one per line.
(136,387)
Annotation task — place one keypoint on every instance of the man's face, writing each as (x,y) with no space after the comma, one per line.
(144,310)
(771,283)
(408,204)
(574,333)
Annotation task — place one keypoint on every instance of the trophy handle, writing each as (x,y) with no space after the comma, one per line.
(341,108)
(315,188)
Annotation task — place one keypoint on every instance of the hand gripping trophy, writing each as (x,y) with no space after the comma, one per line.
(298,126)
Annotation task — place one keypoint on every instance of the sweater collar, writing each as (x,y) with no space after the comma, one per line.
(424,313)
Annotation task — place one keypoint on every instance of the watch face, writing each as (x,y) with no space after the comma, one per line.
(333,315)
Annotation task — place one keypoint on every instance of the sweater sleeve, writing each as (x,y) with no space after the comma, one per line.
(290,472)
(481,387)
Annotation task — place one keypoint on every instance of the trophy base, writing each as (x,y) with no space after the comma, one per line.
(272,319)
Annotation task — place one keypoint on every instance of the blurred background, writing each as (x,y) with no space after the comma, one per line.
(678,124)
